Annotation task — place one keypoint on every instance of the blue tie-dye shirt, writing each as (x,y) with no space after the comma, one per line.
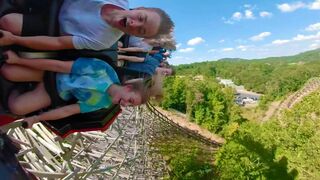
(88,83)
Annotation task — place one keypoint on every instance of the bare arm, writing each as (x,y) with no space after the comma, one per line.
(132,49)
(40,64)
(54,114)
(37,42)
(130,58)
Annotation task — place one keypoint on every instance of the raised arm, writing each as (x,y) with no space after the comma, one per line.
(40,64)
(130,58)
(37,42)
(54,114)
(132,49)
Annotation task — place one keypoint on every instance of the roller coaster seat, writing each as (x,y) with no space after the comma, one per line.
(98,120)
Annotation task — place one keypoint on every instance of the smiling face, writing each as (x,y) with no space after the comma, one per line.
(127,97)
(164,71)
(138,22)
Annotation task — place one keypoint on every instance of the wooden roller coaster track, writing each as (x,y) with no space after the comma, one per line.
(310,86)
(122,152)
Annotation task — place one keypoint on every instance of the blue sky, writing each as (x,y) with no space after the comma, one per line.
(210,29)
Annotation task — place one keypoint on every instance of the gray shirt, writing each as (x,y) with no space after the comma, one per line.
(82,20)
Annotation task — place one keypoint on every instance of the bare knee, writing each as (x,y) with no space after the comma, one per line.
(18,73)
(14,105)
(6,72)
(12,22)
(22,104)
(16,109)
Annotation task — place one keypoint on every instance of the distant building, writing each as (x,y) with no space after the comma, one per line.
(230,83)
(227,82)
(242,96)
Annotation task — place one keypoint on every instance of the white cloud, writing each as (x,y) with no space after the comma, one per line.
(186,50)
(227,49)
(301,37)
(315,5)
(237,16)
(249,14)
(298,5)
(265,14)
(212,50)
(314,46)
(179,45)
(195,41)
(260,36)
(313,27)
(280,42)
(243,48)
(290,7)
(314,37)
(222,41)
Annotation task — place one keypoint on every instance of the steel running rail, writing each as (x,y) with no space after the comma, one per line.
(191,133)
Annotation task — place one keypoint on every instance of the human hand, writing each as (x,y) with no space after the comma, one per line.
(167,53)
(120,44)
(121,50)
(29,121)
(11,57)
(6,38)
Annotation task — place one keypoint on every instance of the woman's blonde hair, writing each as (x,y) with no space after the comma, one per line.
(165,41)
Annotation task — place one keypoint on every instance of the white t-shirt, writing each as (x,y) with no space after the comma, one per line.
(138,42)
(82,20)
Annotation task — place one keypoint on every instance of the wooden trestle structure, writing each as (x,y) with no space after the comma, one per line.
(121,152)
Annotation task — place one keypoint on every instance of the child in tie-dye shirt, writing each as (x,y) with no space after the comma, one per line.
(92,82)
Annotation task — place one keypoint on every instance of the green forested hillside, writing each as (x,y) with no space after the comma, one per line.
(274,77)
(285,147)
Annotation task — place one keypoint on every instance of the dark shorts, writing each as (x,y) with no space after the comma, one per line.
(34,24)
